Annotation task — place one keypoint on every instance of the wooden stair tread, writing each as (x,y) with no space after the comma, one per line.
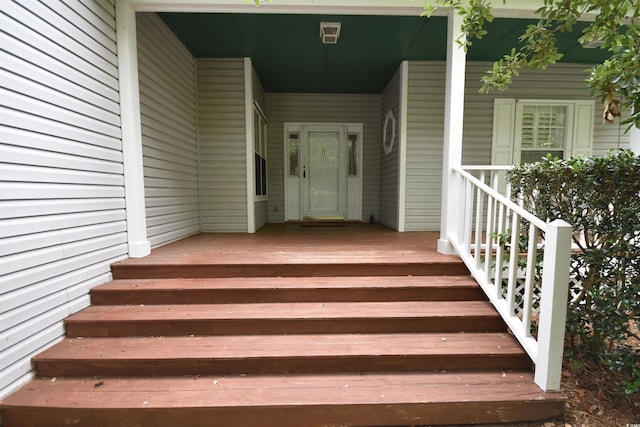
(291,390)
(152,348)
(286,289)
(283,401)
(349,282)
(328,310)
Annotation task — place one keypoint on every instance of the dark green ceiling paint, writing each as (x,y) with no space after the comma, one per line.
(289,56)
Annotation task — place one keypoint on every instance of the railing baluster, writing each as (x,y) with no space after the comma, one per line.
(488,246)
(499,249)
(514,256)
(529,280)
(468,215)
(478,241)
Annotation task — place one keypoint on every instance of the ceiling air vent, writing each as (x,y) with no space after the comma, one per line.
(592,44)
(329,32)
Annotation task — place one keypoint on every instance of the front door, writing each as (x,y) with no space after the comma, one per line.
(322,172)
(323,186)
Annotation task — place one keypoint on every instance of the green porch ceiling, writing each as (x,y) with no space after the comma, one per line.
(289,56)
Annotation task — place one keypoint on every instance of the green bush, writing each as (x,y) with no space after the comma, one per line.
(600,197)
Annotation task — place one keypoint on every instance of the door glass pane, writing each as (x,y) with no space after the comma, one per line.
(324,172)
(294,144)
(352,154)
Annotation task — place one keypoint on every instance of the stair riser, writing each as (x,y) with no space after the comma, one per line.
(288,270)
(276,365)
(289,416)
(178,296)
(272,327)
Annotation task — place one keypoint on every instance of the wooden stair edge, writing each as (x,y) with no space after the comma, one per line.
(141,271)
(285,401)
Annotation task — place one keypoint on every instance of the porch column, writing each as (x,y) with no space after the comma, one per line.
(453,120)
(131,130)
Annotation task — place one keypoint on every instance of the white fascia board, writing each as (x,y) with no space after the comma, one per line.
(512,8)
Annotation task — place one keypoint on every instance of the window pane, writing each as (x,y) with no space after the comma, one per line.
(536,156)
(294,144)
(352,154)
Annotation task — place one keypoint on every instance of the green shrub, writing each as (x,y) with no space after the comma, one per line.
(600,197)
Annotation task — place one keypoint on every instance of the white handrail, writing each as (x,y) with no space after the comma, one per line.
(486,213)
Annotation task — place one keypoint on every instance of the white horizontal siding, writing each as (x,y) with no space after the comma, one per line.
(221,145)
(323,108)
(62,218)
(425,132)
(169,143)
(389,162)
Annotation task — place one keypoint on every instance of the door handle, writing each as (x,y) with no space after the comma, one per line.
(304,171)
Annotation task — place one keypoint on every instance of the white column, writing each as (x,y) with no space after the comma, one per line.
(131,130)
(249,135)
(452,156)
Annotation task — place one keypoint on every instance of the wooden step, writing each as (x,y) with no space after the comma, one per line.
(286,289)
(381,399)
(276,354)
(285,318)
(141,269)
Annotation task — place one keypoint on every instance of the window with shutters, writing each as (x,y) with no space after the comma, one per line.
(525,131)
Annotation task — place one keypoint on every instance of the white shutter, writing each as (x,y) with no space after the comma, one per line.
(582,129)
(504,110)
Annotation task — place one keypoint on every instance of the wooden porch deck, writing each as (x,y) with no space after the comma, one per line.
(300,249)
(292,326)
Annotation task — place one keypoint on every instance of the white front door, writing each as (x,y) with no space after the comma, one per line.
(323,173)
(323,179)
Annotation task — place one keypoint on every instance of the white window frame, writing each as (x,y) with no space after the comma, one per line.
(260,148)
(507,128)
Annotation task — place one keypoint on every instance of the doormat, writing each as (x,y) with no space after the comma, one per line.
(323,224)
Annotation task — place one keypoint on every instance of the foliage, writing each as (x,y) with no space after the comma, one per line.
(616,81)
(600,197)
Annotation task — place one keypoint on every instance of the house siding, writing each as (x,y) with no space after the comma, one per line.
(425,133)
(323,108)
(62,217)
(221,145)
(169,143)
(389,162)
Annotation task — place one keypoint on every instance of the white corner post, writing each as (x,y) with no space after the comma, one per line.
(249,132)
(553,305)
(139,245)
(453,124)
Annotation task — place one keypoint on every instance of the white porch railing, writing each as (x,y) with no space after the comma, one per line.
(501,244)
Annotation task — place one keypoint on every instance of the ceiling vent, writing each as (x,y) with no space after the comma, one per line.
(593,44)
(329,32)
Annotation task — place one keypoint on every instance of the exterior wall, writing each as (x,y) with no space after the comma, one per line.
(62,218)
(168,118)
(425,133)
(563,81)
(323,108)
(425,126)
(259,97)
(221,145)
(389,162)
